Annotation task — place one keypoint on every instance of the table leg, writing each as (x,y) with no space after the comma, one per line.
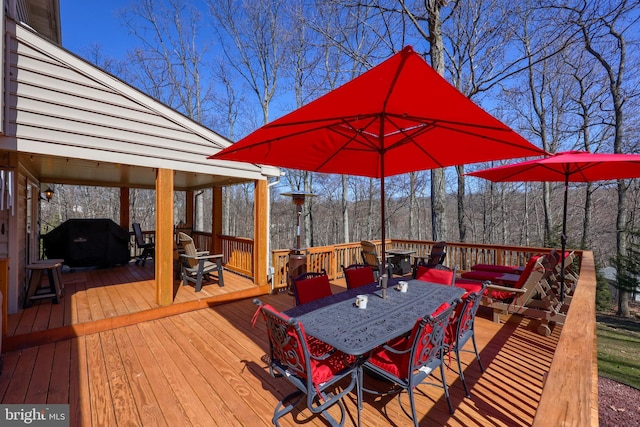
(359,385)
(53,284)
(34,284)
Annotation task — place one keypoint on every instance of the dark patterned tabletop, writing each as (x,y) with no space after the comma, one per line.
(337,321)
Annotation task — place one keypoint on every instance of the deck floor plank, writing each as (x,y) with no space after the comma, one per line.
(199,364)
(43,315)
(167,400)
(182,386)
(42,369)
(82,305)
(126,411)
(22,375)
(60,373)
(225,359)
(79,402)
(102,403)
(147,404)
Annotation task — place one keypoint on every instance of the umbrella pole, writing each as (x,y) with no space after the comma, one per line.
(563,238)
(383,222)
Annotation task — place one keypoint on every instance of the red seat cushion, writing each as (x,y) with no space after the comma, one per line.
(468,285)
(481,275)
(326,369)
(505,295)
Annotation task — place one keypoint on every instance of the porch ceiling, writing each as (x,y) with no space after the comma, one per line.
(61,170)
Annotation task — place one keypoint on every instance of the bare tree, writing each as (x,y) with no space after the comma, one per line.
(605,28)
(169,63)
(254,41)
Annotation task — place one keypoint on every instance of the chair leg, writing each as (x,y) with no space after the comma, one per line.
(199,276)
(412,403)
(282,409)
(475,349)
(464,383)
(184,274)
(446,389)
(332,421)
(219,268)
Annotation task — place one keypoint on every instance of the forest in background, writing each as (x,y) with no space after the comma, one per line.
(562,75)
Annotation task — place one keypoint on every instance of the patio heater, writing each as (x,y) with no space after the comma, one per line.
(297,255)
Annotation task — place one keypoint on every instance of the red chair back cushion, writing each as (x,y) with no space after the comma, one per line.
(435,275)
(527,270)
(313,288)
(359,276)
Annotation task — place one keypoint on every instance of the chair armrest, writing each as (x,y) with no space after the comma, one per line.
(203,256)
(492,287)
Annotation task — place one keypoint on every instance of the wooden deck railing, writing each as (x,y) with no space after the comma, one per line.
(460,255)
(570,393)
(237,252)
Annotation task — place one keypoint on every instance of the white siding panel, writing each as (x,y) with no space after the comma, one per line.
(31,59)
(106,105)
(45,129)
(84,98)
(89,77)
(36,112)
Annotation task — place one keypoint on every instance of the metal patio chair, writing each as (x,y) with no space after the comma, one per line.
(409,362)
(311,365)
(461,330)
(148,248)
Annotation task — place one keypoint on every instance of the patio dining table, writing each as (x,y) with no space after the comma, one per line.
(337,321)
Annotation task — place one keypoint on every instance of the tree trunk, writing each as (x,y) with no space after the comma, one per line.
(412,205)
(345,210)
(462,226)
(436,53)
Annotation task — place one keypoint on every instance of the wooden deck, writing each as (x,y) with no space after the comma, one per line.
(207,366)
(101,299)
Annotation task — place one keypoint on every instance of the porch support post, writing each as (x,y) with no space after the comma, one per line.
(260,232)
(124,208)
(164,237)
(216,227)
(188,208)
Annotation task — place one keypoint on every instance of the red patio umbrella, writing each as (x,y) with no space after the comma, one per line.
(398,117)
(568,166)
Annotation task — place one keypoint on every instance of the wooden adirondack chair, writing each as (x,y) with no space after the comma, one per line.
(532,298)
(198,265)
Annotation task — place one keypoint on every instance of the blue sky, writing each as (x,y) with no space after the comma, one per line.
(87,22)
